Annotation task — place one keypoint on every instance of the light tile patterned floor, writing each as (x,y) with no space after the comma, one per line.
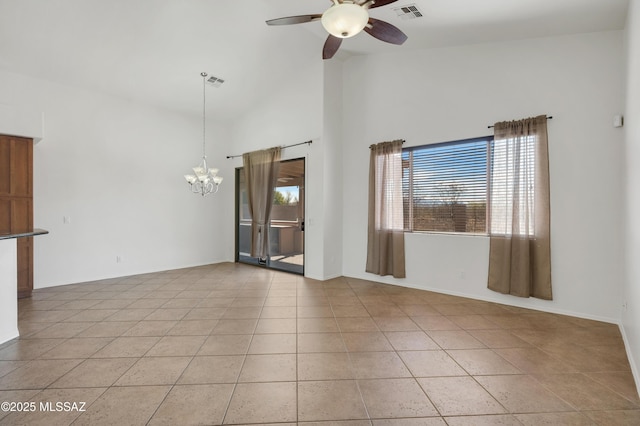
(236,344)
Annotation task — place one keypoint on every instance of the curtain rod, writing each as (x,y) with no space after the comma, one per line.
(548,118)
(371,146)
(282,147)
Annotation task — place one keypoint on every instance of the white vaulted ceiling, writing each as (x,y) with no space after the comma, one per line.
(153,51)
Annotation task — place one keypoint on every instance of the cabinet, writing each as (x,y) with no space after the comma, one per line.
(16,202)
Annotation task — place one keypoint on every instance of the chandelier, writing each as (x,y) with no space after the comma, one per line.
(205,180)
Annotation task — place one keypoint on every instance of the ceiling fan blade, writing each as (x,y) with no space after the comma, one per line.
(288,20)
(378,3)
(385,31)
(331,46)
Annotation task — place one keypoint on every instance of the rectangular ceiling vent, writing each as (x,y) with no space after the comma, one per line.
(214,81)
(409,11)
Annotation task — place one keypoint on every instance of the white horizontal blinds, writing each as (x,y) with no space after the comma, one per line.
(513,186)
(407,188)
(445,186)
(388,181)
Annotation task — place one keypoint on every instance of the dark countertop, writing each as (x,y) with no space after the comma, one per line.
(7,235)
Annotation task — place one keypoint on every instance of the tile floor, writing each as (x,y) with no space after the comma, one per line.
(235,344)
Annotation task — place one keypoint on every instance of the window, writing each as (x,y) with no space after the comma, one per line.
(445,186)
(513,185)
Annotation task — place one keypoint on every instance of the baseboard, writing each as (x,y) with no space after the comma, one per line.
(501,301)
(129,274)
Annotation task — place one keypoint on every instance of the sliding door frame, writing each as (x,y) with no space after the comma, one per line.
(238,194)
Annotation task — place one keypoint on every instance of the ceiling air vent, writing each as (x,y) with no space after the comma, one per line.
(214,81)
(409,11)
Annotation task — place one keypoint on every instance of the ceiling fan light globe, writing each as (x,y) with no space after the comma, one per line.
(345,20)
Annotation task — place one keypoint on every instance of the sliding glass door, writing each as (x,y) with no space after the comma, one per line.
(286,230)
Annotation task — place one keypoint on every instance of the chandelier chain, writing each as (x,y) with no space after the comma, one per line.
(204,115)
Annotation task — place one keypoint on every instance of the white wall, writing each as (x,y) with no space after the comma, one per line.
(115,169)
(21,122)
(454,93)
(631,287)
(292,114)
(332,171)
(8,290)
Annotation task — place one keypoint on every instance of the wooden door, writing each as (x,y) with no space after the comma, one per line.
(16,202)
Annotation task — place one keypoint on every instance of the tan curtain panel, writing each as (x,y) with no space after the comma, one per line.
(520,253)
(261,174)
(385,247)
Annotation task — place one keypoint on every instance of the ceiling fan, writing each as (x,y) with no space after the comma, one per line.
(346,18)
